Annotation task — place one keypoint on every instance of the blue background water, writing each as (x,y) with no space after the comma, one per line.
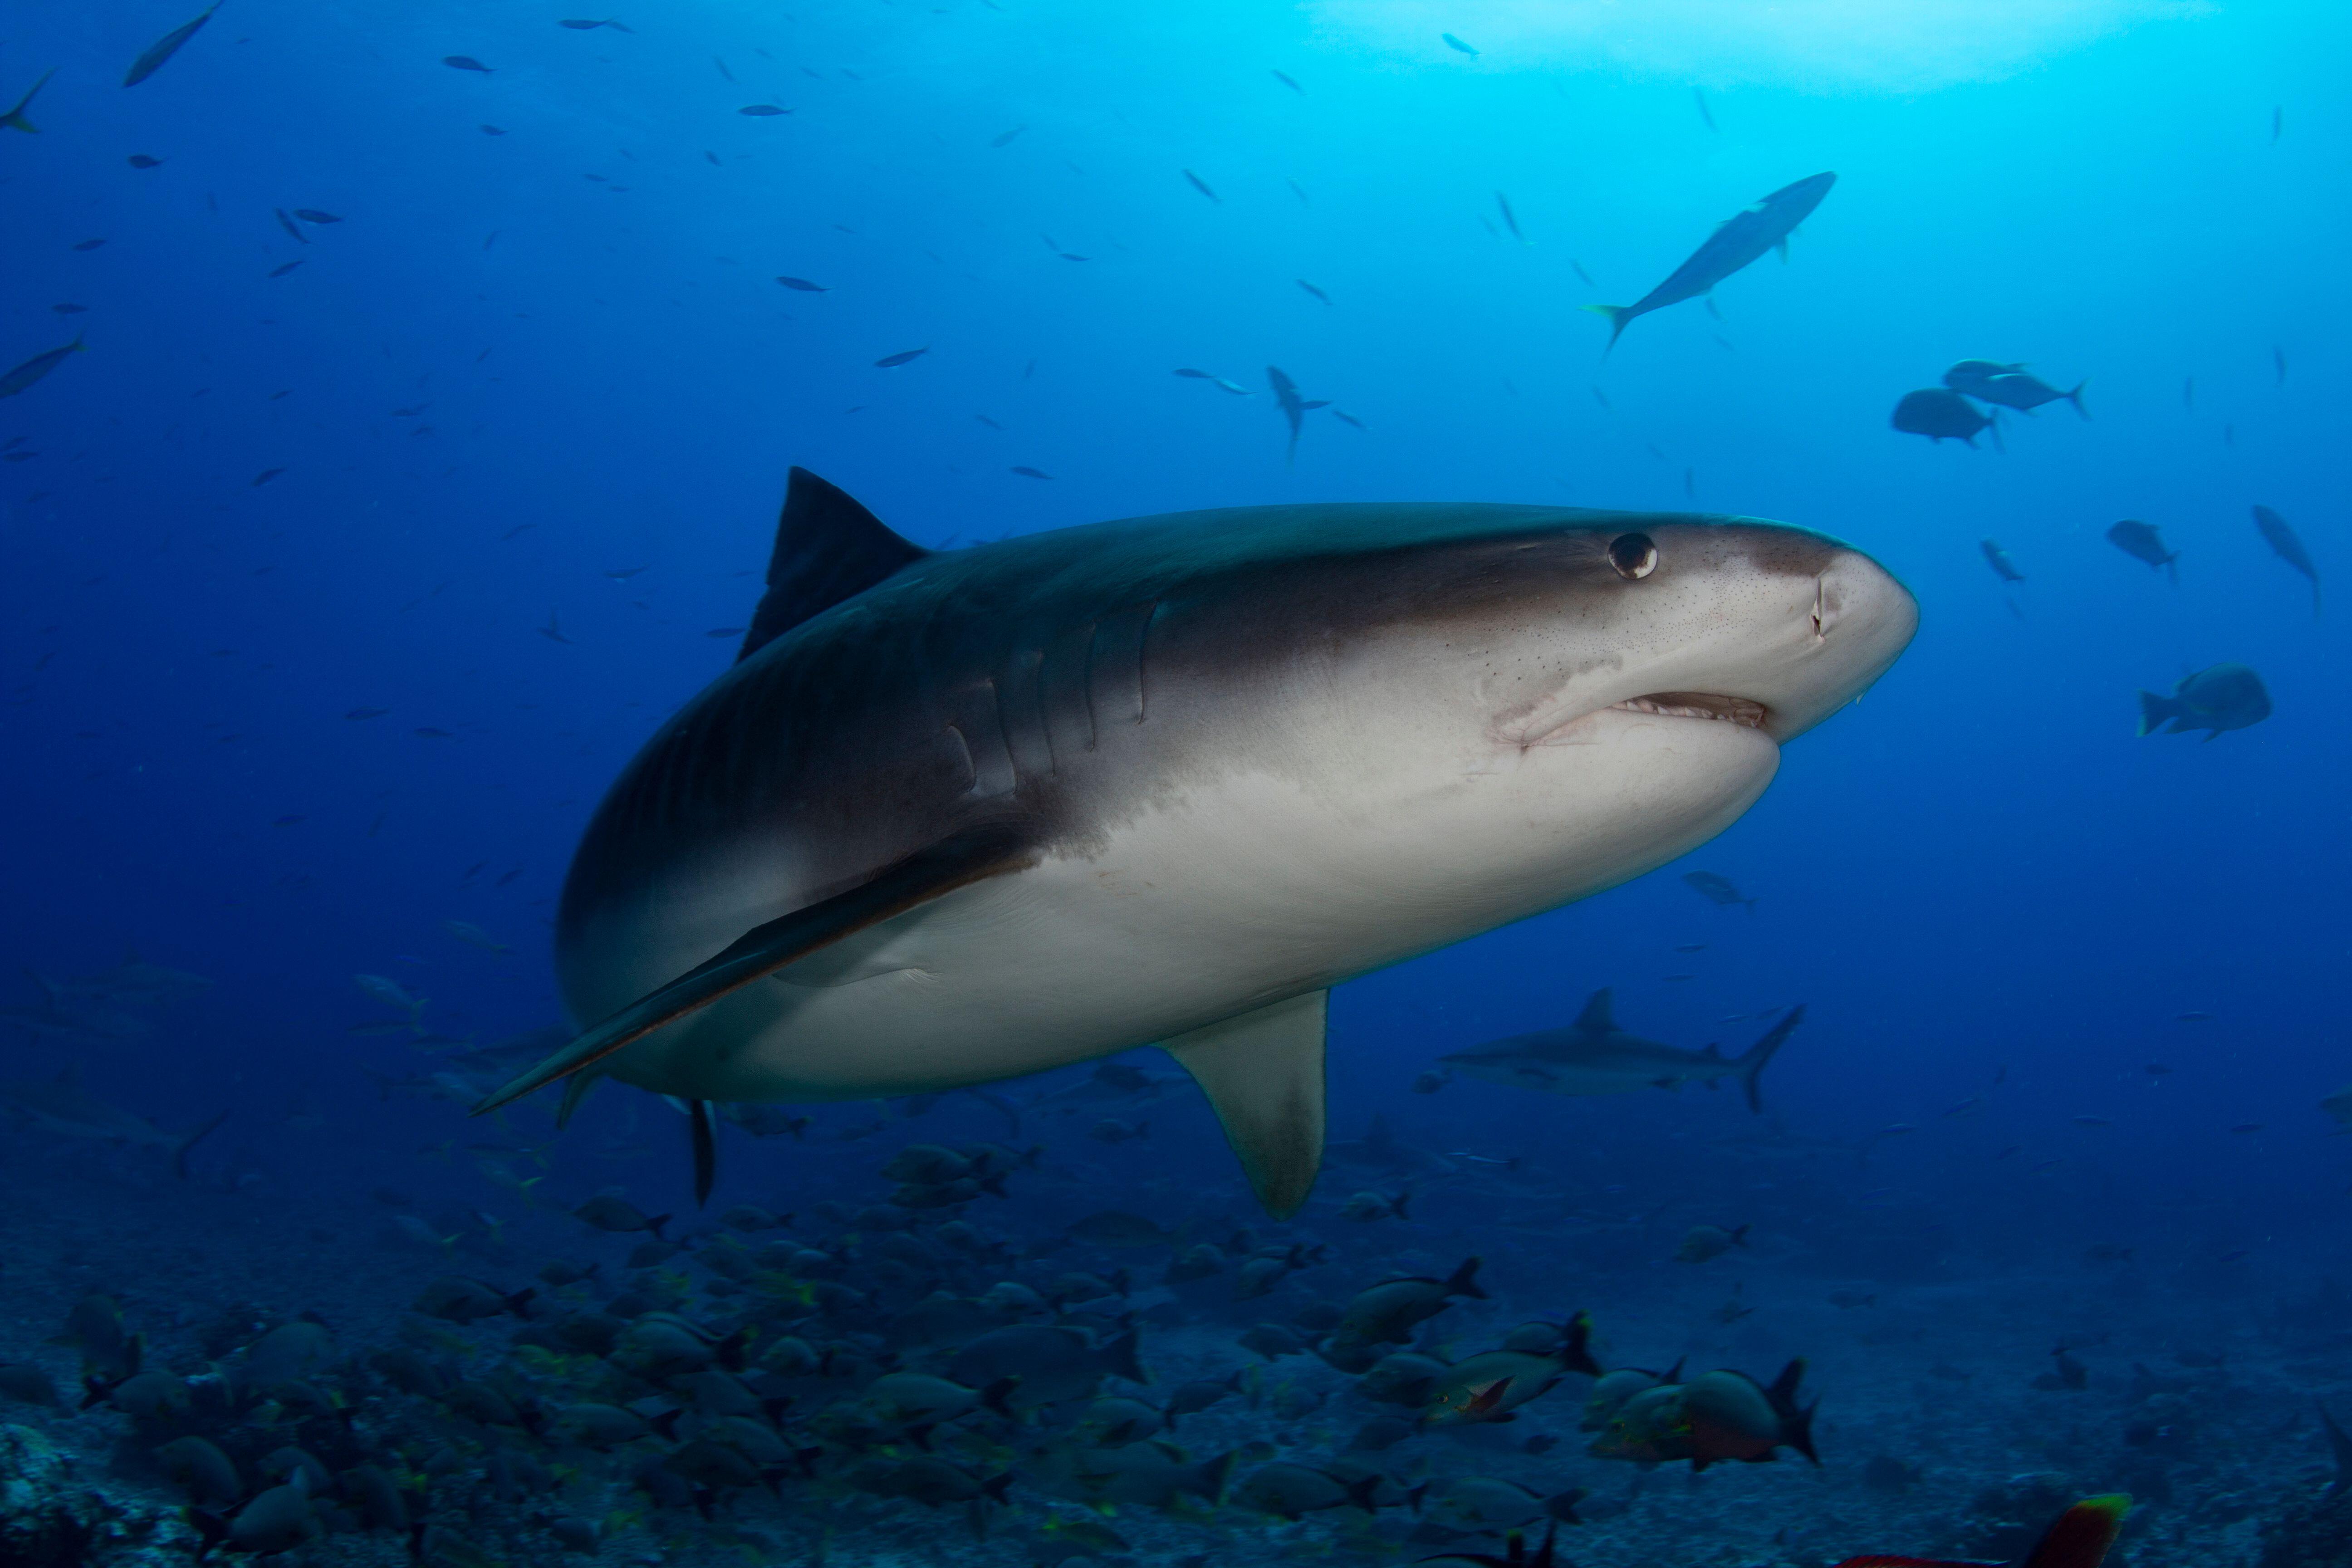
(1980,868)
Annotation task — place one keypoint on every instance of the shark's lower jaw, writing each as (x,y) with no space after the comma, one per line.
(1698,705)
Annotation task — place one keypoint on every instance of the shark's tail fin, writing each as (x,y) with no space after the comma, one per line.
(2075,397)
(1749,1065)
(2155,709)
(180,1151)
(1619,315)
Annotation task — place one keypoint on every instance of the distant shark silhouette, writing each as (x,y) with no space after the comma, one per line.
(959,816)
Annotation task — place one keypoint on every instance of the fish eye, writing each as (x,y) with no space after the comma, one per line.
(1634,554)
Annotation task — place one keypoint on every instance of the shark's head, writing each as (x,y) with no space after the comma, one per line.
(1533,706)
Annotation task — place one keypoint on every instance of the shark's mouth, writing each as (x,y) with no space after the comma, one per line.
(1698,705)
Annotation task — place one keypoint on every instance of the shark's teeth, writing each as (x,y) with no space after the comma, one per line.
(1697,705)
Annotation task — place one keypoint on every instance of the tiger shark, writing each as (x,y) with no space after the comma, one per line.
(960,815)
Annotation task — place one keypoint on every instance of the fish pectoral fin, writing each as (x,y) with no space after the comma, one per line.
(956,862)
(1263,1073)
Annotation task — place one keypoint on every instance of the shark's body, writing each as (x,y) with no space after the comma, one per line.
(960,816)
(1593,1056)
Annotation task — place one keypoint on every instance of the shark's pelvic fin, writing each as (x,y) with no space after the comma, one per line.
(705,1131)
(1263,1072)
(828,548)
(1596,1018)
(573,1093)
(958,861)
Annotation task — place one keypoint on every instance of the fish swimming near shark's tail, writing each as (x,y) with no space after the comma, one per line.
(1749,1066)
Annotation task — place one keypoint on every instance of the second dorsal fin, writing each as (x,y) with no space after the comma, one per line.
(828,549)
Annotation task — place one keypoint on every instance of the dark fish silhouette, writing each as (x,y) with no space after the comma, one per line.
(164,48)
(1736,242)
(1716,889)
(465,63)
(762,110)
(2142,541)
(1294,408)
(804,284)
(2282,539)
(2009,386)
(1457,45)
(15,118)
(1937,411)
(34,369)
(1202,185)
(312,214)
(592,23)
(1998,559)
(1510,218)
(2226,697)
(908,356)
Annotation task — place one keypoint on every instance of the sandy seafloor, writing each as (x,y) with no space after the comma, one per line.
(1935,1375)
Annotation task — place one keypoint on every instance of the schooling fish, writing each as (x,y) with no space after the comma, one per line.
(2016,389)
(34,369)
(151,60)
(2142,541)
(1736,242)
(1005,779)
(1294,409)
(1939,412)
(15,118)
(1716,889)
(2226,697)
(2289,549)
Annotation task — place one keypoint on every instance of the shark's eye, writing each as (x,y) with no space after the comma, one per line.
(1634,555)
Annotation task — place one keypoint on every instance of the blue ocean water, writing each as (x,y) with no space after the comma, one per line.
(424,454)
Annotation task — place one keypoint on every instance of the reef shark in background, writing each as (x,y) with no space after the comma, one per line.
(1736,242)
(956,816)
(60,1106)
(1593,1056)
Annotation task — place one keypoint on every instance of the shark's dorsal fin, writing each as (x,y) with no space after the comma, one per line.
(1263,1072)
(828,548)
(1595,1018)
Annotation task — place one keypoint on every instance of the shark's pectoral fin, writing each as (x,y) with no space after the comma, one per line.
(1263,1072)
(956,862)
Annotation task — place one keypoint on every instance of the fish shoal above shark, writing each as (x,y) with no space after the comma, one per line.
(956,816)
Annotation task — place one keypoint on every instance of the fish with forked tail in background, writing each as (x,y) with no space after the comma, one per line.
(1736,242)
(61,1106)
(2226,697)
(1593,1056)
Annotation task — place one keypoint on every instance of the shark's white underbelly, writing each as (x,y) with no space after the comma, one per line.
(1218,897)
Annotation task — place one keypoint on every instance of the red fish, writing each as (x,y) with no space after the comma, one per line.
(2080,1539)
